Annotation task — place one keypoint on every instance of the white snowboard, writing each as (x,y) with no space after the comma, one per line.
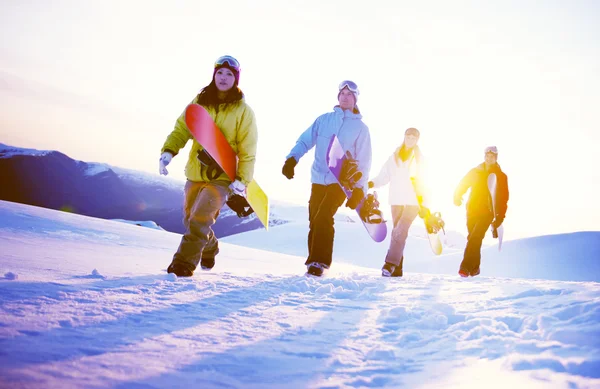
(492,180)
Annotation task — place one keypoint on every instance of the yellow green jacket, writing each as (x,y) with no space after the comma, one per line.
(237,122)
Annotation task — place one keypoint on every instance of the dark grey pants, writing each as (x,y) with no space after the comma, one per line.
(402,217)
(477,225)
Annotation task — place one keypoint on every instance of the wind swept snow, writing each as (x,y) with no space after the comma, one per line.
(86,303)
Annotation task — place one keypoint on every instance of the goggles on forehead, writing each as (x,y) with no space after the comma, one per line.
(230,61)
(491,149)
(351,85)
(412,131)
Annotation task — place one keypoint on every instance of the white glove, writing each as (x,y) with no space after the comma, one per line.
(165,159)
(238,188)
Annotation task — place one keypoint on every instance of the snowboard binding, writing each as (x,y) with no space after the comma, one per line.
(434,223)
(349,174)
(369,211)
(213,170)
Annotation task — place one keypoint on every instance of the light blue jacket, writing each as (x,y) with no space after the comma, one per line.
(353,135)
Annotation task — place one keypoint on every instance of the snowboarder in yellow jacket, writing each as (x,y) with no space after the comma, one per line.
(207,187)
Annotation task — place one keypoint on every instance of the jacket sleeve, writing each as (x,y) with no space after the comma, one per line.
(180,135)
(246,139)
(363,156)
(502,205)
(384,176)
(464,184)
(306,141)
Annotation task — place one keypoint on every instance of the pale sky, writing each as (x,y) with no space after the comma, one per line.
(104,81)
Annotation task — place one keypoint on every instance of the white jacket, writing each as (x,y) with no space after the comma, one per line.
(400,176)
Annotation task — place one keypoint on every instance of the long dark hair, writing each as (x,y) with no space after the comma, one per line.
(209,95)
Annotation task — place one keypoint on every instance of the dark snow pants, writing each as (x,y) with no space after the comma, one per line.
(202,205)
(477,226)
(324,202)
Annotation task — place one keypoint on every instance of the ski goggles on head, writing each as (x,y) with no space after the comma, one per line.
(491,149)
(229,61)
(351,85)
(412,131)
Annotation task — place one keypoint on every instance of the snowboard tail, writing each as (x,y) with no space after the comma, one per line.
(433,234)
(433,225)
(336,160)
(492,186)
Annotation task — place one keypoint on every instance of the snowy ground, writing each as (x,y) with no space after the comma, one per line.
(86,303)
(562,257)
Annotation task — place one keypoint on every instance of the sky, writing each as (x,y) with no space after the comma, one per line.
(86,302)
(104,81)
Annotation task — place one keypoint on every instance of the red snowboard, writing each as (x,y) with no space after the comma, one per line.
(206,132)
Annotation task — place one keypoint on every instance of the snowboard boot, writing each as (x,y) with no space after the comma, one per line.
(391,270)
(207,263)
(316,269)
(397,272)
(387,270)
(180,269)
(475,272)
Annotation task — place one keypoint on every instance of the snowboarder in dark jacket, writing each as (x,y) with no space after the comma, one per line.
(480,211)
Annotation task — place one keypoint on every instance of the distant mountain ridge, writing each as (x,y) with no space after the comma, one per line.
(51,179)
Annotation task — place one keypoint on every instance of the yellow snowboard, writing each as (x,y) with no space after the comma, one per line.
(259,202)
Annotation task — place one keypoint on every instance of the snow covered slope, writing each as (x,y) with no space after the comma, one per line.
(86,303)
(564,257)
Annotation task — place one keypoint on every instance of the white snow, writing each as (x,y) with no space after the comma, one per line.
(9,151)
(92,306)
(548,257)
(293,212)
(141,223)
(93,169)
(141,177)
(352,245)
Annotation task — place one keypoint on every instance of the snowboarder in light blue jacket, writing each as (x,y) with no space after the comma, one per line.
(326,195)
